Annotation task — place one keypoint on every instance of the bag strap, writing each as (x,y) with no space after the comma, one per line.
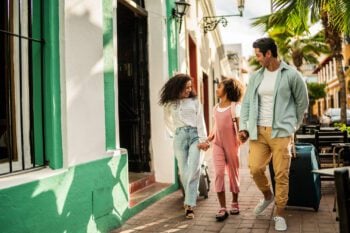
(233,111)
(293,148)
(234,119)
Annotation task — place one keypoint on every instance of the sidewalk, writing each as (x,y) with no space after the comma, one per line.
(167,215)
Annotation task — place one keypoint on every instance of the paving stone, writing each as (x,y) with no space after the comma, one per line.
(167,215)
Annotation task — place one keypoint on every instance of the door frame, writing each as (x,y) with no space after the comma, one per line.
(139,13)
(192,55)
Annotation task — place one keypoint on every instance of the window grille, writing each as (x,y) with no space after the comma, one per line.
(21,69)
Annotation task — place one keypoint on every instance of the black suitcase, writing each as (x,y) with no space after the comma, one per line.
(304,186)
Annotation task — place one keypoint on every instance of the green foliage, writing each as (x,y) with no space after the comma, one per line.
(254,63)
(316,91)
(298,13)
(342,127)
(294,46)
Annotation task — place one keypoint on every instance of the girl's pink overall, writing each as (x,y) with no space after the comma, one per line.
(225,151)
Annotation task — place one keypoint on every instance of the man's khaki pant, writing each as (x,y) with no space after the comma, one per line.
(260,154)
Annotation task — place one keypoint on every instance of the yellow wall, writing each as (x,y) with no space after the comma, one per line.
(346,54)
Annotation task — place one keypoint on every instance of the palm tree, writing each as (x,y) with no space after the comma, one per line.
(296,49)
(335,17)
(254,63)
(299,49)
(316,91)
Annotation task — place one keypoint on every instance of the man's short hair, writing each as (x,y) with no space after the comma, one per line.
(265,44)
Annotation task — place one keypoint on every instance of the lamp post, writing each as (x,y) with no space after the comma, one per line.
(181,8)
(211,22)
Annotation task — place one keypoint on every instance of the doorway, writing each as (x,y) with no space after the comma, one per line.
(206,100)
(133,87)
(193,62)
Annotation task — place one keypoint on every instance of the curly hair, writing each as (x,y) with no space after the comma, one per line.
(233,88)
(173,88)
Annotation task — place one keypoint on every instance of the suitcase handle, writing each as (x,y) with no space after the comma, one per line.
(293,148)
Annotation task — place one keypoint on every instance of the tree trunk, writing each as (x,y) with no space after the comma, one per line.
(334,39)
(342,87)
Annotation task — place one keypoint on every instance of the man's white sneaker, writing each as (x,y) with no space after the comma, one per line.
(261,206)
(280,223)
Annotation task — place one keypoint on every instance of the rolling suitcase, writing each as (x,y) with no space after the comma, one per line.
(304,186)
(204,181)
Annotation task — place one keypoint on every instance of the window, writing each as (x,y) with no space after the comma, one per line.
(21,131)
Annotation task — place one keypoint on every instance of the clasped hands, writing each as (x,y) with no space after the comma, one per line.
(204,145)
(243,136)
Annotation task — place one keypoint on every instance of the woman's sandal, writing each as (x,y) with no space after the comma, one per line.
(234,208)
(189,213)
(221,215)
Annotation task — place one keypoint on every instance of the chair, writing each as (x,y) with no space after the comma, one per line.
(309,129)
(342,186)
(326,153)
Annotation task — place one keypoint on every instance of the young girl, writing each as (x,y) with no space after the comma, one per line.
(184,121)
(226,143)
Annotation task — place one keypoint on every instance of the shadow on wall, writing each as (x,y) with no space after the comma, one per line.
(92,197)
(85,86)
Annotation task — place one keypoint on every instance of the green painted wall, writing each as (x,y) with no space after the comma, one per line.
(82,199)
(51,85)
(173,66)
(172,38)
(109,93)
(91,197)
(37,79)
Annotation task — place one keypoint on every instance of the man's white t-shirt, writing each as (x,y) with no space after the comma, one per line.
(266,91)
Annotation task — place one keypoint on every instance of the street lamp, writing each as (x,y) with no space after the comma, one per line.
(181,8)
(211,22)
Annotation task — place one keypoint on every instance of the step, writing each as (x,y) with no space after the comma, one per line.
(147,192)
(138,181)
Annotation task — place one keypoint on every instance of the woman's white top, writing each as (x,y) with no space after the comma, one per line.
(266,92)
(185,112)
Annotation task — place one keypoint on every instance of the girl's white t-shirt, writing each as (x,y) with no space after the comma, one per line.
(237,109)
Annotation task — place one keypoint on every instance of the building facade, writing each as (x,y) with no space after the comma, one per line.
(326,73)
(79,106)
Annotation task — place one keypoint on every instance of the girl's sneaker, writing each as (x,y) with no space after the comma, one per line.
(189,213)
(221,215)
(234,208)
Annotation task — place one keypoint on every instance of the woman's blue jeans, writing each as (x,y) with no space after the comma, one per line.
(188,159)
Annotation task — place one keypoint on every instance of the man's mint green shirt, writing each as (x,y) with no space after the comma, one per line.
(290,101)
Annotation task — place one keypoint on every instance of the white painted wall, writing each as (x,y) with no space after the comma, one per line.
(82,47)
(162,149)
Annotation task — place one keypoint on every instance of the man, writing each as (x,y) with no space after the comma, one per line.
(272,110)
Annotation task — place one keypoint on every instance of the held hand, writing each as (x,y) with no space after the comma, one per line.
(243,136)
(203,146)
(210,138)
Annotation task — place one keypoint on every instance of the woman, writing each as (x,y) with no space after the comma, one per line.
(184,121)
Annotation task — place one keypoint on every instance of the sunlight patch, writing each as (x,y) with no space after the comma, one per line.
(92,227)
(113,165)
(60,186)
